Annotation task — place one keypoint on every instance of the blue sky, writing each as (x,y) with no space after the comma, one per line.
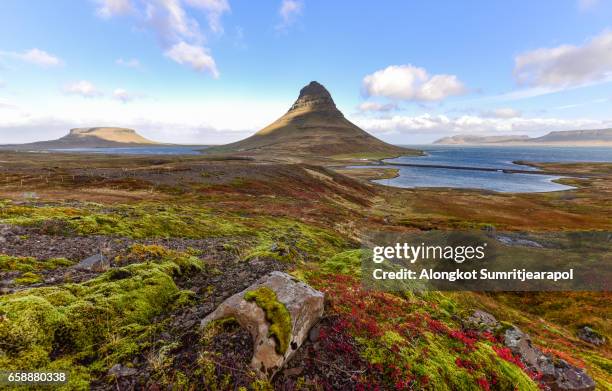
(213,71)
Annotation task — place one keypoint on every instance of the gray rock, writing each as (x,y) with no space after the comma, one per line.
(314,333)
(304,304)
(481,321)
(570,378)
(557,374)
(95,263)
(119,370)
(520,344)
(591,336)
(510,241)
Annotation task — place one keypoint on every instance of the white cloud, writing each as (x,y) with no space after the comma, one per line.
(194,56)
(375,106)
(407,82)
(171,22)
(214,9)
(83,88)
(130,63)
(473,124)
(502,112)
(566,65)
(35,56)
(289,11)
(110,8)
(178,32)
(124,95)
(40,57)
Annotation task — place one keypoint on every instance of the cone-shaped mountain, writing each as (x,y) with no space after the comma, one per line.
(313,125)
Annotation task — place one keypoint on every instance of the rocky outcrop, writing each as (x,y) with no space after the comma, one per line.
(589,335)
(278,311)
(557,374)
(314,97)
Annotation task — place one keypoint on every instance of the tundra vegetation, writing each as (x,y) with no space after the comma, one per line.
(183,233)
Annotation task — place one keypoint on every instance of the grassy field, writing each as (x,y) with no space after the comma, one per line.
(183,233)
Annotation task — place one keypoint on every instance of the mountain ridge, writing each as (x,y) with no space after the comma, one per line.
(587,137)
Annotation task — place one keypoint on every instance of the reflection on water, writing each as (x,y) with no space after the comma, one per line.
(410,177)
(491,158)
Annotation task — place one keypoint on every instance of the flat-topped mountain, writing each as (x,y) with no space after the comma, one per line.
(101,137)
(569,138)
(313,125)
(115,135)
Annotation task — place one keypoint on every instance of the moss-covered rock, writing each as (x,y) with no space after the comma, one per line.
(276,314)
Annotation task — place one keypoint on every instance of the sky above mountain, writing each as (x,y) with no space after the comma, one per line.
(215,71)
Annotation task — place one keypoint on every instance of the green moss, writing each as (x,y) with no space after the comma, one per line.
(276,314)
(434,357)
(102,321)
(290,241)
(29,264)
(346,262)
(28,278)
(145,220)
(262,385)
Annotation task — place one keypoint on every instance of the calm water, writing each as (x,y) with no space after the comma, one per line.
(477,157)
(169,150)
(489,157)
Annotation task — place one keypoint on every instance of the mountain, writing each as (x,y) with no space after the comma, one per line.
(102,137)
(569,138)
(595,136)
(314,126)
(466,139)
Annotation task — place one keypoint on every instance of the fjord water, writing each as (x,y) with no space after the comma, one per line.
(492,158)
(152,150)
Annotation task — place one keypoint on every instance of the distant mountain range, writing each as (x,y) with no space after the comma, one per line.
(102,137)
(570,138)
(313,125)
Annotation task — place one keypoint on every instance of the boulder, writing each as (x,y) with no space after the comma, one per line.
(278,311)
(520,344)
(557,374)
(481,321)
(96,263)
(567,377)
(591,336)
